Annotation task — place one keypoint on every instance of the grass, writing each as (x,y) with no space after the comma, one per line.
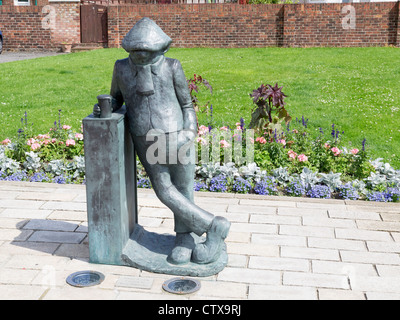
(358,89)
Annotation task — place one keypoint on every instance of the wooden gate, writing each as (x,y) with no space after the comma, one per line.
(93,23)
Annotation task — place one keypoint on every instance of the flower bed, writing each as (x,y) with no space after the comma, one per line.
(275,155)
(296,163)
(57,156)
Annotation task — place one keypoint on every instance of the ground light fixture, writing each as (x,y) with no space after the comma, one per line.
(86,278)
(181,285)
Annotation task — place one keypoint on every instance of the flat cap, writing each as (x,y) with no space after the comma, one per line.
(146,35)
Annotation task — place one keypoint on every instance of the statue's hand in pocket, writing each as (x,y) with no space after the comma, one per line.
(185,136)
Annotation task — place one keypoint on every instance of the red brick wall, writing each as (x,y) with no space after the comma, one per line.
(24,28)
(21,27)
(376,24)
(235,25)
(212,25)
(204,25)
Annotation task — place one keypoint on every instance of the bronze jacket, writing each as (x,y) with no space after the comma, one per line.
(169,109)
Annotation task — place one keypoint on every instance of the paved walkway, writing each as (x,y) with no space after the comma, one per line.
(279,248)
(9,56)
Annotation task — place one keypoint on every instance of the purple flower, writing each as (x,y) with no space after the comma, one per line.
(242,123)
(378,196)
(199,186)
(16,176)
(295,189)
(348,192)
(241,186)
(363,144)
(319,191)
(394,193)
(218,184)
(144,183)
(59,179)
(390,195)
(211,115)
(266,186)
(304,122)
(39,177)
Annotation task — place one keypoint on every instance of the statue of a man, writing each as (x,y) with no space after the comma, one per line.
(155,92)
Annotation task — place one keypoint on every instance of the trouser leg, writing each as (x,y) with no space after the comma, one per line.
(191,218)
(184,186)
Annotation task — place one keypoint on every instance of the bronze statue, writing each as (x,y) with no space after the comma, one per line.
(160,112)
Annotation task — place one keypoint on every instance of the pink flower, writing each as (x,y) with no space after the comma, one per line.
(202,141)
(30,141)
(336,151)
(79,136)
(53,140)
(302,158)
(327,146)
(6,142)
(354,151)
(283,141)
(251,140)
(46,142)
(224,144)
(224,128)
(238,126)
(70,142)
(35,146)
(261,140)
(202,130)
(65,127)
(292,154)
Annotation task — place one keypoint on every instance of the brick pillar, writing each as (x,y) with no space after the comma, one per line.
(114,37)
(67,23)
(289,23)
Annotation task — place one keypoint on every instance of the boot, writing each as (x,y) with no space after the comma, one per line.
(182,251)
(210,250)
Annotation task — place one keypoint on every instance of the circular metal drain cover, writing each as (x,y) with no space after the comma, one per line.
(181,285)
(85,278)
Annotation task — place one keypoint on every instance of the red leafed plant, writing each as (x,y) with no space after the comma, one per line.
(270,110)
(193,84)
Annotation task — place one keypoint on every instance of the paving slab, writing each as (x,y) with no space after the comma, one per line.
(264,292)
(44,224)
(279,248)
(57,236)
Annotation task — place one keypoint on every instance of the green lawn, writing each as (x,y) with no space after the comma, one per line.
(358,89)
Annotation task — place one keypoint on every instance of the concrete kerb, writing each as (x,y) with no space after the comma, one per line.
(5,185)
